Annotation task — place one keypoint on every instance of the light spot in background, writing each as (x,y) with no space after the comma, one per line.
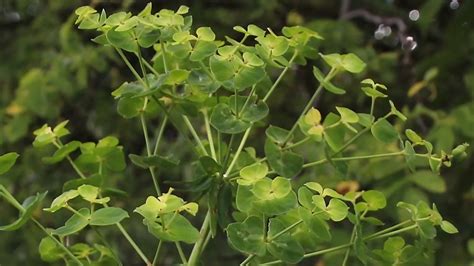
(409,43)
(414,15)
(454,4)
(382,31)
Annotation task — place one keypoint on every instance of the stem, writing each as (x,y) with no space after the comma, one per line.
(163,52)
(129,65)
(78,171)
(209,135)
(148,151)
(344,147)
(336,248)
(247,260)
(68,252)
(237,153)
(354,158)
(280,77)
(387,229)
(203,234)
(294,145)
(133,244)
(155,259)
(348,251)
(285,230)
(181,253)
(160,135)
(309,104)
(194,133)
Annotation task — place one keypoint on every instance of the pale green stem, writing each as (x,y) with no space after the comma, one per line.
(181,253)
(209,135)
(280,77)
(194,133)
(318,91)
(160,135)
(328,250)
(68,252)
(133,244)
(149,153)
(237,153)
(157,253)
(197,249)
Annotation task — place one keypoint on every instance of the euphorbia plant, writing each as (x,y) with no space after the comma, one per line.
(193,80)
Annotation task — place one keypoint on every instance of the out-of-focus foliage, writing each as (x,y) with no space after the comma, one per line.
(50,72)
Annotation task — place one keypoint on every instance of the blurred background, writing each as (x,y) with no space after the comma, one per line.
(423,50)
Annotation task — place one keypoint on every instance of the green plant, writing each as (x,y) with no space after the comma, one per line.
(225,86)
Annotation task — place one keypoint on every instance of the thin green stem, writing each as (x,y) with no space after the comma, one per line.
(296,144)
(150,67)
(348,143)
(344,246)
(285,230)
(68,252)
(348,251)
(107,244)
(318,91)
(133,244)
(237,153)
(78,171)
(197,249)
(160,135)
(372,105)
(283,72)
(247,260)
(194,134)
(388,229)
(157,253)
(209,135)
(129,65)
(149,153)
(163,53)
(181,253)
(382,155)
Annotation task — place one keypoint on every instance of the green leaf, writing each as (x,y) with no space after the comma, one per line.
(429,181)
(130,107)
(203,49)
(426,229)
(62,200)
(349,62)
(123,40)
(252,173)
(347,115)
(337,210)
(334,136)
(284,247)
(223,69)
(248,76)
(74,224)
(285,163)
(317,225)
(108,216)
(449,227)
(88,192)
(413,136)
(394,244)
(247,236)
(62,152)
(410,156)
(7,161)
(225,121)
(50,251)
(153,161)
(277,134)
(314,186)
(29,205)
(326,84)
(384,131)
(252,59)
(375,199)
(178,228)
(206,34)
